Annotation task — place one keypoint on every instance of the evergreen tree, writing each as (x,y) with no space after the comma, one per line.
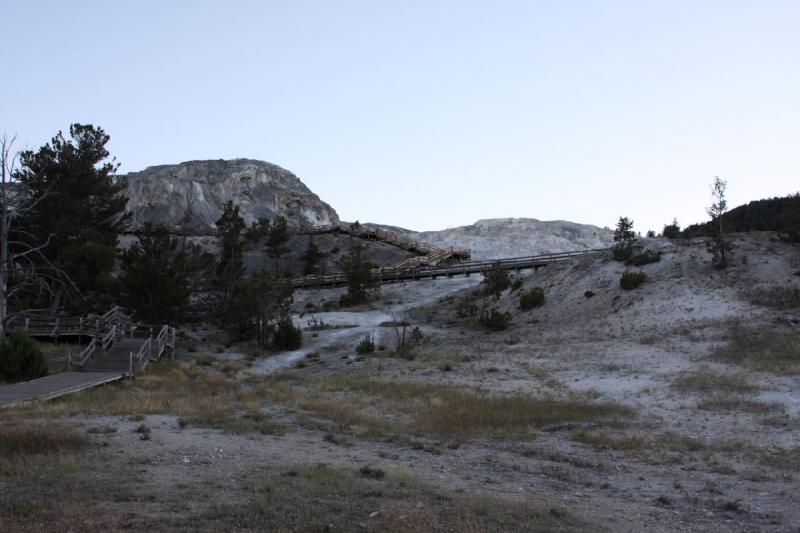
(672,231)
(718,246)
(79,208)
(278,240)
(623,239)
(312,258)
(155,277)
(358,271)
(230,267)
(260,300)
(258,230)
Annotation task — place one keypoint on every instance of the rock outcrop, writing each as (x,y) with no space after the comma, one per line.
(190,196)
(515,237)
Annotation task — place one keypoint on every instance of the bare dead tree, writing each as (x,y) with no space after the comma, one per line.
(24,267)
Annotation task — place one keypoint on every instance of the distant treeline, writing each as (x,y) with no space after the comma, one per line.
(773,214)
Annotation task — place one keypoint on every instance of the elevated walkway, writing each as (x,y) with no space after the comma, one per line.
(118,347)
(50,387)
(394,274)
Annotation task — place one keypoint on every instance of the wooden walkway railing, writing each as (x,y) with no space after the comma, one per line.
(390,274)
(103,332)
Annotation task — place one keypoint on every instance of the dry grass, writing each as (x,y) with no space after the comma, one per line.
(762,350)
(735,403)
(438,410)
(51,480)
(646,442)
(36,439)
(199,394)
(323,498)
(706,381)
(723,392)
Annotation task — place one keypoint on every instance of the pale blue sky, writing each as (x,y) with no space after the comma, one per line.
(429,114)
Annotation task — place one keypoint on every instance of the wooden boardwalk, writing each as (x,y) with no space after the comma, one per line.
(393,274)
(53,386)
(118,347)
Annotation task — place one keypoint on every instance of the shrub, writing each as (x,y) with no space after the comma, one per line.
(516,285)
(643,258)
(287,336)
(631,280)
(496,280)
(495,320)
(532,298)
(21,359)
(588,294)
(367,345)
(623,253)
(466,308)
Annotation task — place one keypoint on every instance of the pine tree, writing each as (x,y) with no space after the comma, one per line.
(358,271)
(80,208)
(719,247)
(623,237)
(672,231)
(278,239)
(155,277)
(311,258)
(230,267)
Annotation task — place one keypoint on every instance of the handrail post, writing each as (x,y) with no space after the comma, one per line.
(150,345)
(130,366)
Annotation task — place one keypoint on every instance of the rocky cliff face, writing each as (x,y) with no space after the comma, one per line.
(190,196)
(514,237)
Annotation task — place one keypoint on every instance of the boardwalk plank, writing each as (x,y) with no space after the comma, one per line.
(53,386)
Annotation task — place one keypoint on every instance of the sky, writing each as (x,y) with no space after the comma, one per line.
(431,114)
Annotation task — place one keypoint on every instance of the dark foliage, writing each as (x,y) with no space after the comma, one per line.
(278,240)
(312,258)
(494,319)
(773,214)
(632,280)
(81,208)
(155,277)
(644,258)
(366,346)
(532,298)
(496,280)
(230,267)
(21,359)
(358,270)
(672,231)
(286,336)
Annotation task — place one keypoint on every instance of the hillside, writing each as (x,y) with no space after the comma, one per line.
(773,214)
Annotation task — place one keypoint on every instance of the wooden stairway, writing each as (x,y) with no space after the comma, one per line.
(117,358)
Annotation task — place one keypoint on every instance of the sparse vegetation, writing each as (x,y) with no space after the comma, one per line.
(444,411)
(768,351)
(494,319)
(366,346)
(323,498)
